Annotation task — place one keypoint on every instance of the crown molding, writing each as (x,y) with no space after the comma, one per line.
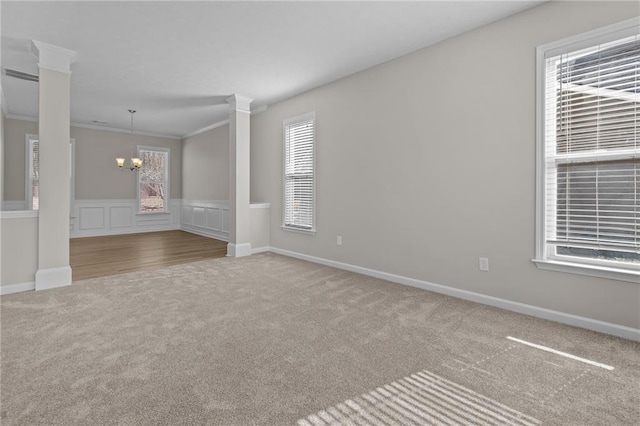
(21,117)
(117,130)
(221,123)
(206,129)
(94,127)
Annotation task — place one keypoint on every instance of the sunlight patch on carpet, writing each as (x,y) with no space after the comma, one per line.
(564,354)
(423,398)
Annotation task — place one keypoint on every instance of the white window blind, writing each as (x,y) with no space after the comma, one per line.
(592,153)
(33,152)
(299,164)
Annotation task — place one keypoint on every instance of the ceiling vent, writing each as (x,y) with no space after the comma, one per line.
(20,75)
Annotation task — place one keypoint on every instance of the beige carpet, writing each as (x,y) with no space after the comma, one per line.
(269,340)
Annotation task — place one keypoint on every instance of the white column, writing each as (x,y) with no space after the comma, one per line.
(54,123)
(239,176)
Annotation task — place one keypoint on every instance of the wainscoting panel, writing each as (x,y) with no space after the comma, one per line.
(109,217)
(199,217)
(225,219)
(214,219)
(206,218)
(120,216)
(91,218)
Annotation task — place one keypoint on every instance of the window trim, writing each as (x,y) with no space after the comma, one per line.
(543,259)
(167,181)
(287,122)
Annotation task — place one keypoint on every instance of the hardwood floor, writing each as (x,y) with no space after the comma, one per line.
(92,257)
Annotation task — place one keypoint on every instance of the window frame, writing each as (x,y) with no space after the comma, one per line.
(29,139)
(288,122)
(167,183)
(544,258)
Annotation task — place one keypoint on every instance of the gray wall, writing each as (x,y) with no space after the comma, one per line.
(205,165)
(97,177)
(19,246)
(427,162)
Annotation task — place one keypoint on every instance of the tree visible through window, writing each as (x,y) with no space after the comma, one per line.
(34,175)
(153,179)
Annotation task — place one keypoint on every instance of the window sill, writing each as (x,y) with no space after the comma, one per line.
(298,230)
(151,213)
(589,270)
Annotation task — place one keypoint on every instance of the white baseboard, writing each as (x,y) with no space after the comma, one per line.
(53,278)
(222,236)
(561,317)
(238,250)
(260,250)
(17,288)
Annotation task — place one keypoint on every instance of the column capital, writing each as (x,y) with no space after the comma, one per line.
(53,57)
(239,103)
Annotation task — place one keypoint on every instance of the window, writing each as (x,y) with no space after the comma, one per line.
(589,153)
(153,180)
(32,173)
(299,172)
(32,169)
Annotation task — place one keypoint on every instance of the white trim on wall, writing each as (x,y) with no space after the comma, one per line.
(561,317)
(207,218)
(96,127)
(14,205)
(17,288)
(92,218)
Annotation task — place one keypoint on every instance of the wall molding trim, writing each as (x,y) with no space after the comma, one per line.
(17,288)
(53,277)
(260,250)
(18,214)
(93,218)
(106,128)
(208,218)
(521,308)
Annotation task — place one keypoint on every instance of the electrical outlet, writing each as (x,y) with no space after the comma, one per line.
(483,263)
(339,240)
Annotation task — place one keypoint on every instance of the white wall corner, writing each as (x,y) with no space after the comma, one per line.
(53,277)
(53,57)
(238,250)
(239,103)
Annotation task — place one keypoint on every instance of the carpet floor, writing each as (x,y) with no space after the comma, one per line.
(270,340)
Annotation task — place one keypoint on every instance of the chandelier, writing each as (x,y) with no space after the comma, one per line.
(135,162)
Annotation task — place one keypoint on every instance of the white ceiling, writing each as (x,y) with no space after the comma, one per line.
(176,61)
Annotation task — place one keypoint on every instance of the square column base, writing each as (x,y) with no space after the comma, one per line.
(53,277)
(238,250)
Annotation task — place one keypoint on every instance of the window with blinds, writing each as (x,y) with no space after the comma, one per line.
(33,173)
(591,145)
(299,172)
